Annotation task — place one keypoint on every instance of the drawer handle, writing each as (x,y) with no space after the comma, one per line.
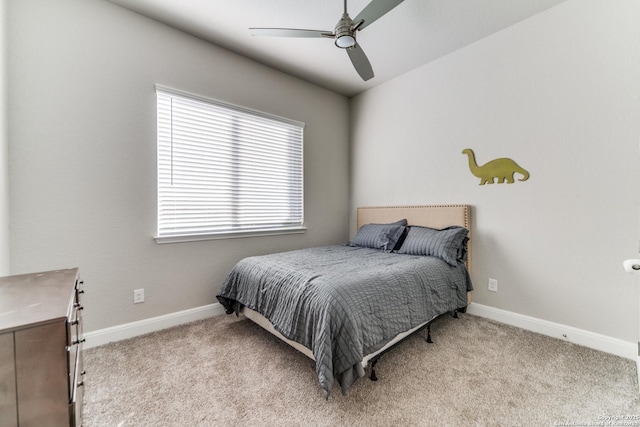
(78,306)
(79,341)
(81,383)
(74,322)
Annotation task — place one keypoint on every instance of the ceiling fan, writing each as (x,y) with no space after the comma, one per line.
(344,34)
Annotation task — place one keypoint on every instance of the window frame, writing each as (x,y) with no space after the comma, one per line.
(227,234)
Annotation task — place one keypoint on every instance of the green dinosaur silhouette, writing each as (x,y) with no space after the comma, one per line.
(502,168)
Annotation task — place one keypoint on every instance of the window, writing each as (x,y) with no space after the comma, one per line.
(225,171)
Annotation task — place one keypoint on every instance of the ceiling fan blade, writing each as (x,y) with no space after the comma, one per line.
(289,32)
(360,62)
(375,10)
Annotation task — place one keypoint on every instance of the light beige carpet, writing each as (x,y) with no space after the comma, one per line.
(228,371)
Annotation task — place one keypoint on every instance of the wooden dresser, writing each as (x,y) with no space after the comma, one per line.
(41,374)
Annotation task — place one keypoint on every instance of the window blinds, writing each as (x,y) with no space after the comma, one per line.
(225,169)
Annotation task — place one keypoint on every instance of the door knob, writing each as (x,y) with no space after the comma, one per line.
(632,266)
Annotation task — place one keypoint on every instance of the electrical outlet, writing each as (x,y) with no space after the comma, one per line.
(138,296)
(493,285)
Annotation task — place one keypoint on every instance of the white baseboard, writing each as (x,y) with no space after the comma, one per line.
(133,329)
(600,342)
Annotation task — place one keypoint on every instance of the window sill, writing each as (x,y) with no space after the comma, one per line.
(229,235)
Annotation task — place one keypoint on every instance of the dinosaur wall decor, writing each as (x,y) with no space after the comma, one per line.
(503,169)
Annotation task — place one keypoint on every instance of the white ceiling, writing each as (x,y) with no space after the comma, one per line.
(412,34)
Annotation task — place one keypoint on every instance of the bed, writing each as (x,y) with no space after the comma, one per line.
(344,305)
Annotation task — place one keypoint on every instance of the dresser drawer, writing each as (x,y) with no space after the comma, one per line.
(75,404)
(74,333)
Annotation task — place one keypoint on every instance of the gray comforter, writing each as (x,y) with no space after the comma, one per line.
(344,302)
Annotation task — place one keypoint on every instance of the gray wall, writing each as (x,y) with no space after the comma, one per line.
(558,93)
(4,147)
(83,153)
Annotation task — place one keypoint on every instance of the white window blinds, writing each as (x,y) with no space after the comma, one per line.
(223,169)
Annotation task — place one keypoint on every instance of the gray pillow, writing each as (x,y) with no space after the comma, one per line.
(379,236)
(448,243)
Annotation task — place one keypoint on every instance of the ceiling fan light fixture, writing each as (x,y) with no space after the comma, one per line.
(344,34)
(345,41)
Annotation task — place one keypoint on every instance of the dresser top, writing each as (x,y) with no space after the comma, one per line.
(30,299)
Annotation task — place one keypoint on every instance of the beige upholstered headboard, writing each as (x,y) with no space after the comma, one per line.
(434,216)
